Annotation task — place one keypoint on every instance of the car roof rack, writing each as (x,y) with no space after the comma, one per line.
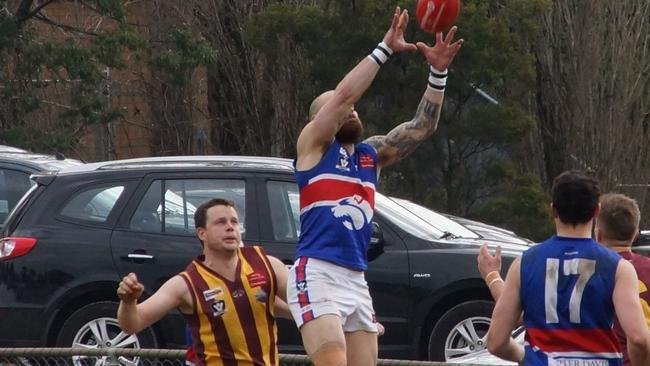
(189,161)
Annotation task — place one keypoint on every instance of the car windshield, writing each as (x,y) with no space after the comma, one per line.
(405,219)
(436,220)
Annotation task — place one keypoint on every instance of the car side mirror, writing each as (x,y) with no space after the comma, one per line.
(376,245)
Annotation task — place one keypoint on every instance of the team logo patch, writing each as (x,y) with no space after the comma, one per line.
(354,211)
(301,286)
(218,308)
(343,162)
(261,296)
(366,161)
(212,293)
(256,279)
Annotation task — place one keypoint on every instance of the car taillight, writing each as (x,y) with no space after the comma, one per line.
(13,247)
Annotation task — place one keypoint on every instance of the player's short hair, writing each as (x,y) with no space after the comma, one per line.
(575,197)
(619,217)
(201,212)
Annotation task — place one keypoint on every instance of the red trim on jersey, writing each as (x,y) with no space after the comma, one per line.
(334,190)
(571,340)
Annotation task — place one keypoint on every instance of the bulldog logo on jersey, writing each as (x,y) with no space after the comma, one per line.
(355,212)
(218,308)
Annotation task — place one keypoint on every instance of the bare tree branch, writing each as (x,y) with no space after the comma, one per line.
(23,14)
(49,21)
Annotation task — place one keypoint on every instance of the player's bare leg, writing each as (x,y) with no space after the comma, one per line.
(361,348)
(324,341)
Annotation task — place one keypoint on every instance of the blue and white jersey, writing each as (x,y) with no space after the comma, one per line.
(566,293)
(337,201)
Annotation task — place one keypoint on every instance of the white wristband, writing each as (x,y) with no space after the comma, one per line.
(381,54)
(495,280)
(437,79)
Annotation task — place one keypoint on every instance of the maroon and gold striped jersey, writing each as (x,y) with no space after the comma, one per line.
(642,266)
(233,321)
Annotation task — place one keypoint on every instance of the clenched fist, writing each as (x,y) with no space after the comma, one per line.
(130,288)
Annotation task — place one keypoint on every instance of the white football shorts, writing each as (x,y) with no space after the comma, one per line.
(316,287)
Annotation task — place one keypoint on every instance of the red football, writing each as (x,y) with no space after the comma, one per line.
(437,15)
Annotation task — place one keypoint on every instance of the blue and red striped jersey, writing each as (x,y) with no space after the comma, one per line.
(566,293)
(337,201)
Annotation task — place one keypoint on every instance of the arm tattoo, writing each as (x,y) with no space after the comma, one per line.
(403,139)
(376,141)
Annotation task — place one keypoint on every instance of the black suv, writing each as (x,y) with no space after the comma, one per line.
(16,165)
(78,231)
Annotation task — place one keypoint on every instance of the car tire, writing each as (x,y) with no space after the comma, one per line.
(95,326)
(460,331)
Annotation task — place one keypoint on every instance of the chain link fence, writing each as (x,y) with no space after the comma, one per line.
(140,357)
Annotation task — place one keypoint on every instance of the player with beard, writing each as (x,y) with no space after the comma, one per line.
(336,174)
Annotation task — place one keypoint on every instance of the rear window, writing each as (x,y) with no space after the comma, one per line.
(11,220)
(13,184)
(93,205)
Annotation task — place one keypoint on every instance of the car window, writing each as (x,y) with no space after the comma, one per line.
(94,204)
(175,213)
(285,205)
(435,219)
(405,219)
(13,184)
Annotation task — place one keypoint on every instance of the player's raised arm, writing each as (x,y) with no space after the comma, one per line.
(331,109)
(403,139)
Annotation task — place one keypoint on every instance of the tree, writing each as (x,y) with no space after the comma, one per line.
(65,75)
(594,92)
(476,133)
(68,65)
(176,53)
(252,96)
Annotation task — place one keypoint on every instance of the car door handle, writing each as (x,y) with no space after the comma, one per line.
(139,258)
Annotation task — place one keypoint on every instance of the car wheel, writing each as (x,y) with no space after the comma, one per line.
(461,331)
(95,326)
